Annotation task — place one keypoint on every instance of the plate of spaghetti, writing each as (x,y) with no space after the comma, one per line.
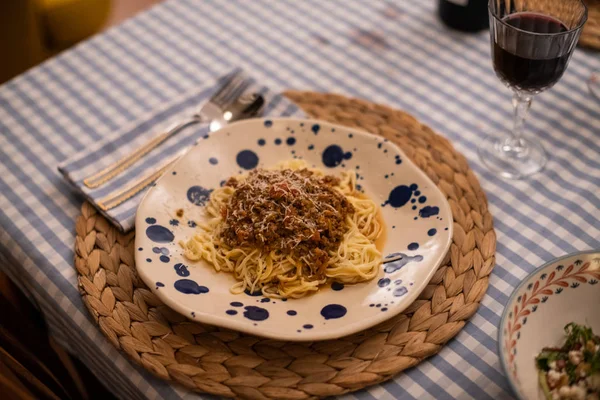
(292,229)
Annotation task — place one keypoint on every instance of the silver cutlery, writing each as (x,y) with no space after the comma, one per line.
(245,106)
(209,111)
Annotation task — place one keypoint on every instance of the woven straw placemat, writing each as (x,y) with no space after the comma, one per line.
(228,363)
(590,37)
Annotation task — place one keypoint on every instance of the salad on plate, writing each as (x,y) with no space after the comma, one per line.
(572,371)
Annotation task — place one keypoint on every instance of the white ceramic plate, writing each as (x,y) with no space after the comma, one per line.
(562,291)
(417,215)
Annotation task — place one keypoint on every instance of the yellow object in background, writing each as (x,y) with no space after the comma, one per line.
(68,21)
(32,30)
(21,40)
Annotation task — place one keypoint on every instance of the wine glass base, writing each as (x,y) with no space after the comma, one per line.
(512,162)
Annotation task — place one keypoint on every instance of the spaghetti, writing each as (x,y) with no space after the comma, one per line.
(287,230)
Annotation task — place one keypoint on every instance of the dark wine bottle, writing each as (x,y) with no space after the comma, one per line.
(465,15)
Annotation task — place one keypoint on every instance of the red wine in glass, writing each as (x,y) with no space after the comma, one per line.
(531,69)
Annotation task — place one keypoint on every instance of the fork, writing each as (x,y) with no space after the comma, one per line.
(209,111)
(246,106)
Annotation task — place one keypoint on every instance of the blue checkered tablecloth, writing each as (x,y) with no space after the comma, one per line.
(395,53)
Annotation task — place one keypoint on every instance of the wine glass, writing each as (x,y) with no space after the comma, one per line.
(532,42)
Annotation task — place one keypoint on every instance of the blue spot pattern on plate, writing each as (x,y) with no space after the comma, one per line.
(160,284)
(181,270)
(337,286)
(247,159)
(198,195)
(213,161)
(291,141)
(398,264)
(400,291)
(292,312)
(268,123)
(428,211)
(333,311)
(189,286)
(315,128)
(150,220)
(400,195)
(164,259)
(236,304)
(261,142)
(231,312)
(383,282)
(256,313)
(432,231)
(413,246)
(334,155)
(159,234)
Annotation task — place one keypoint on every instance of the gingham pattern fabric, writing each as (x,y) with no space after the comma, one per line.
(132,136)
(395,53)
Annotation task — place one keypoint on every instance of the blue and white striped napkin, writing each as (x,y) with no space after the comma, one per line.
(97,157)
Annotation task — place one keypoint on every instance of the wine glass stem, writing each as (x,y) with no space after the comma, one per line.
(515,143)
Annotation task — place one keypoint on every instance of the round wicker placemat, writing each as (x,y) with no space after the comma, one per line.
(223,362)
(590,37)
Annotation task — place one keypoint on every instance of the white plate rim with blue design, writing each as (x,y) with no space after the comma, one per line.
(405,193)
